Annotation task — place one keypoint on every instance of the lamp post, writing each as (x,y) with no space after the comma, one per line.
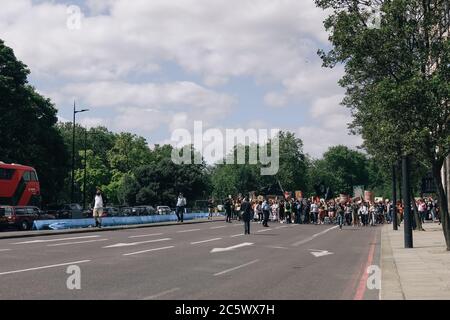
(394,198)
(75,111)
(407,203)
(85,168)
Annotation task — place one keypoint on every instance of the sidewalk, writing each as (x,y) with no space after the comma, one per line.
(31,234)
(421,273)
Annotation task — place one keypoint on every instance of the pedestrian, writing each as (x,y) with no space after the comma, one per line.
(340,211)
(210,209)
(288,211)
(364,212)
(181,204)
(99,204)
(266,213)
(247,214)
(281,211)
(228,208)
(314,212)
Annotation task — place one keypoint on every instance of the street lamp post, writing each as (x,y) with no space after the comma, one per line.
(394,198)
(407,203)
(85,168)
(75,111)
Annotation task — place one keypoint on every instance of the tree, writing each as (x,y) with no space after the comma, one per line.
(341,169)
(27,127)
(129,152)
(397,79)
(160,180)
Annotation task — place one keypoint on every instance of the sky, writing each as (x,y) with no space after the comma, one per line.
(153,66)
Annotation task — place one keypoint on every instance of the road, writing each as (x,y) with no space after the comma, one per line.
(212,261)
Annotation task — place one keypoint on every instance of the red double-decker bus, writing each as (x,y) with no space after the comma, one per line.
(19,185)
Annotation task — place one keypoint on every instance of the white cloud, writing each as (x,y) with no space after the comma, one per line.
(118,57)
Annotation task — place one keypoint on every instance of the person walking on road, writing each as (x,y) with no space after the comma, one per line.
(247,214)
(340,211)
(288,211)
(99,204)
(266,213)
(210,209)
(181,204)
(228,208)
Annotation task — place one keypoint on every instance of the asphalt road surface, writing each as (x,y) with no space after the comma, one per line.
(209,261)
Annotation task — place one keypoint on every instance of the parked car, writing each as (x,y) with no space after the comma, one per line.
(143,211)
(163,210)
(67,211)
(111,212)
(126,211)
(21,217)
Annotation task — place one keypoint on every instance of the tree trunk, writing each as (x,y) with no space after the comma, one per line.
(443,202)
(417,218)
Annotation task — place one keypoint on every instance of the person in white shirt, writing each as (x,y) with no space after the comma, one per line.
(364,212)
(98,208)
(314,212)
(181,204)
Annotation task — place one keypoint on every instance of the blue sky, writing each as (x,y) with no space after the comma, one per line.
(151,67)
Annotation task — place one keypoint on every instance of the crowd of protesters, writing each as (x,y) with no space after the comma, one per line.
(352,212)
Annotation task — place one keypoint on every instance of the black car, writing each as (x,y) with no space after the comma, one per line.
(143,211)
(67,211)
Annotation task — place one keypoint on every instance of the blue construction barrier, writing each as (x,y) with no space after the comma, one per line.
(111,221)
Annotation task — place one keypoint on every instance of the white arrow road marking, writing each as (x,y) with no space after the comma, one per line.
(56,240)
(145,251)
(235,268)
(204,241)
(45,267)
(320,253)
(130,244)
(296,244)
(245,244)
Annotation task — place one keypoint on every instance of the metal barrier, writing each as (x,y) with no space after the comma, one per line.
(111,221)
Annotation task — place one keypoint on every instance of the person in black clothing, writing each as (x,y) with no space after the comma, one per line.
(228,208)
(247,214)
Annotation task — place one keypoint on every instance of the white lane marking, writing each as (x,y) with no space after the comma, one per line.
(130,244)
(238,225)
(235,268)
(146,235)
(191,230)
(281,227)
(296,244)
(78,242)
(144,251)
(320,253)
(158,295)
(264,230)
(276,247)
(45,267)
(204,241)
(245,244)
(237,235)
(213,228)
(4,250)
(56,240)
